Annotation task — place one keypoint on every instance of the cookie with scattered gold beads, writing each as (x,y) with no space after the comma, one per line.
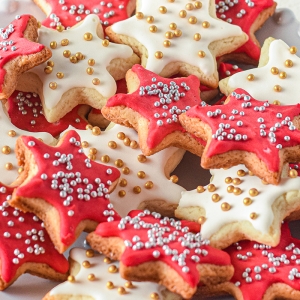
(237,205)
(82,70)
(94,275)
(178,37)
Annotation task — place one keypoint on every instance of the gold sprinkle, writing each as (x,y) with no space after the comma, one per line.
(236,181)
(89,127)
(293,173)
(182,14)
(53,45)
(225,206)
(197,4)
(174,178)
(154,296)
(153,28)
(205,24)
(88,36)
(178,32)
(91,62)
(253,216)
(123,182)
(253,192)
(201,220)
(20,170)
(247,201)
(139,15)
(133,144)
(169,35)
(201,54)
(71,278)
(39,24)
(52,85)
(12,133)
(215,197)
(200,189)
(137,189)
(60,28)
(93,151)
(250,77)
(105,43)
(277,88)
(50,63)
(241,173)
(121,290)
(64,42)
(73,59)
(126,141)
(276,102)
(96,81)
(91,277)
(9,166)
(264,182)
(228,180)
(193,20)
(79,55)
(86,264)
(109,285)
(230,189)
(105,158)
(149,185)
(274,71)
(96,130)
(163,9)
(211,187)
(112,144)
(67,53)
(60,75)
(237,191)
(90,71)
(48,70)
(288,63)
(293,50)
(142,158)
(122,193)
(173,26)
(119,163)
(89,253)
(128,284)
(282,75)
(126,170)
(189,6)
(91,157)
(121,135)
(197,36)
(113,269)
(158,54)
(150,19)
(141,174)
(107,260)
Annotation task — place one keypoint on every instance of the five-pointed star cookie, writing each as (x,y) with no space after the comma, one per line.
(250,16)
(263,136)
(19,52)
(178,37)
(152,108)
(82,69)
(145,182)
(237,205)
(68,191)
(163,250)
(107,282)
(69,12)
(275,79)
(25,246)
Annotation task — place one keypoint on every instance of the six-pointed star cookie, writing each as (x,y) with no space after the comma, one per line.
(82,69)
(69,12)
(68,191)
(163,250)
(250,16)
(25,246)
(19,52)
(276,77)
(107,282)
(262,136)
(145,181)
(237,205)
(178,37)
(152,108)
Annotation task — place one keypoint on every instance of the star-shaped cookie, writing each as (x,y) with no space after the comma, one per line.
(152,108)
(82,69)
(237,205)
(25,246)
(275,79)
(178,37)
(69,13)
(68,191)
(100,279)
(145,181)
(163,250)
(263,136)
(19,52)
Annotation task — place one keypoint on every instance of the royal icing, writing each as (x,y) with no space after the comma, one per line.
(65,71)
(277,81)
(9,134)
(149,237)
(142,178)
(243,13)
(160,100)
(23,239)
(249,125)
(68,13)
(71,182)
(235,196)
(258,266)
(13,43)
(178,31)
(104,284)
(25,112)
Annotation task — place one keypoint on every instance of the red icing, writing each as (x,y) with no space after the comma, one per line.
(68,20)
(261,145)
(131,257)
(31,104)
(144,104)
(226,69)
(96,208)
(31,230)
(23,46)
(245,22)
(288,246)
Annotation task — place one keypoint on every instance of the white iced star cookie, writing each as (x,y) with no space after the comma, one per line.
(145,181)
(9,133)
(236,206)
(275,79)
(178,37)
(97,277)
(83,68)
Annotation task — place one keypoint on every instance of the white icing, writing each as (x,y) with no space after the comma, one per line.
(262,87)
(75,74)
(183,48)
(261,205)
(97,288)
(163,188)
(9,176)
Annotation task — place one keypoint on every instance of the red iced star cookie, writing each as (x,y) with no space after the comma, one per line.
(250,16)
(25,246)
(152,108)
(63,187)
(25,112)
(163,250)
(67,13)
(262,136)
(19,52)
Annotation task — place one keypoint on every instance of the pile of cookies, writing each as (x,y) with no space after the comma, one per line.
(99,107)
